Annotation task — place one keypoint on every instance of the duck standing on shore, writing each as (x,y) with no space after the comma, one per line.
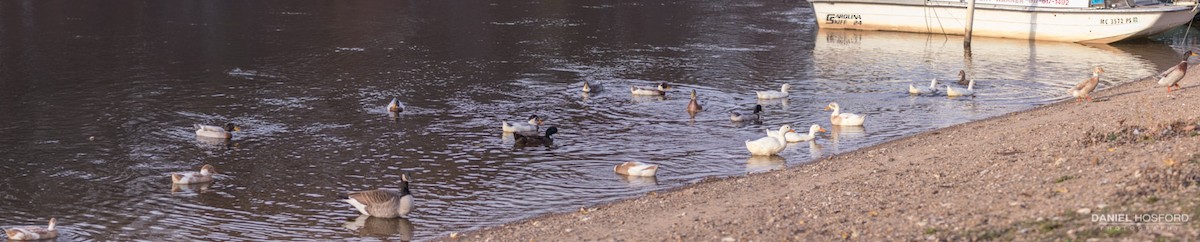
(838,118)
(383,203)
(32,232)
(1085,87)
(1171,77)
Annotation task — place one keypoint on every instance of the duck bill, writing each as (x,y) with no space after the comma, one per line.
(822,130)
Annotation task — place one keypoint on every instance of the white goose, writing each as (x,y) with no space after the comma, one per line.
(782,93)
(769,145)
(844,119)
(395,106)
(958,92)
(32,232)
(383,203)
(923,90)
(650,91)
(530,126)
(634,168)
(191,177)
(795,137)
(219,132)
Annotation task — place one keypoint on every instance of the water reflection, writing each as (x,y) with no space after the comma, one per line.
(639,181)
(190,188)
(759,163)
(392,228)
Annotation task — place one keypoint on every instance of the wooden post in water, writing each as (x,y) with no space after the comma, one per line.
(970,22)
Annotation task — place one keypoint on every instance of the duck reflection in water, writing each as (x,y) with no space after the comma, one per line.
(639,181)
(366,225)
(760,163)
(190,188)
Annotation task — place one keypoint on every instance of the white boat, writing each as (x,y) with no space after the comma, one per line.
(1051,20)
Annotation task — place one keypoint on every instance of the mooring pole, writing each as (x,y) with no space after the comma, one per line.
(970,22)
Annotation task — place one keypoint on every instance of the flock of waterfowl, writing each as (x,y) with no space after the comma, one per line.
(392,203)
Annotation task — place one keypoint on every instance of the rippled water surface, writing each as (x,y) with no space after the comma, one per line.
(98,100)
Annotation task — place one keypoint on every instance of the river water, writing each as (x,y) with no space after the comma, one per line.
(98,101)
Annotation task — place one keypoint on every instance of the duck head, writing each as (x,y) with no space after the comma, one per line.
(551,131)
(231,127)
(786,129)
(535,120)
(663,86)
(757,108)
(816,128)
(785,87)
(1096,71)
(833,106)
(208,170)
(693,93)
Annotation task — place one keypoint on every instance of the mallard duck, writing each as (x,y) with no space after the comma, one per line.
(844,119)
(923,90)
(32,232)
(962,78)
(769,145)
(738,117)
(957,92)
(1171,77)
(395,106)
(211,131)
(694,106)
(191,177)
(782,93)
(535,140)
(1085,87)
(649,91)
(529,126)
(383,203)
(796,137)
(634,168)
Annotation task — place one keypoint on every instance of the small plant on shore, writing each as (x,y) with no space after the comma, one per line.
(1063,178)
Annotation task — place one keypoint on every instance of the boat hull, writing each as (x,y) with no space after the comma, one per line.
(1018,22)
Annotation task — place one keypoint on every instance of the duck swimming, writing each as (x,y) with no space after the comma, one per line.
(219,132)
(958,92)
(395,106)
(529,126)
(738,117)
(844,119)
(634,168)
(923,90)
(962,78)
(782,93)
(793,137)
(205,175)
(383,203)
(693,106)
(32,232)
(535,140)
(648,91)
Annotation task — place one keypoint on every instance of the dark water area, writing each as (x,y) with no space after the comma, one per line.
(99,98)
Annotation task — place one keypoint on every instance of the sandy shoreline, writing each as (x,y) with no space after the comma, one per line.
(1038,174)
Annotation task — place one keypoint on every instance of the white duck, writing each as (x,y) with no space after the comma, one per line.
(923,90)
(383,203)
(769,145)
(844,119)
(213,131)
(395,106)
(531,126)
(32,232)
(191,177)
(634,168)
(649,91)
(795,137)
(782,93)
(957,92)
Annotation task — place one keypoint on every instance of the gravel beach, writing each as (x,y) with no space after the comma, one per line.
(1042,174)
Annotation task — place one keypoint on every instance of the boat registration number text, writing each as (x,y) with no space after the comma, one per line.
(1118,20)
(838,18)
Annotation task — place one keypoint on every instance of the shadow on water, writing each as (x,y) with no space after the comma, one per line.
(100,98)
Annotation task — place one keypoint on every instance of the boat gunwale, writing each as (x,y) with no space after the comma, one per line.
(1158,8)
